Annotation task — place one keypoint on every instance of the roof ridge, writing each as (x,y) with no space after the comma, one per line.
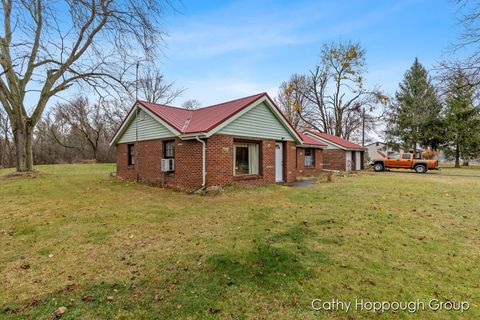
(162,105)
(215,105)
(187,122)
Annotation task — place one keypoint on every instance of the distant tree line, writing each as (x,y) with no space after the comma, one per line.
(80,129)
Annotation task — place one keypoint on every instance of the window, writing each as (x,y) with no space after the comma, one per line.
(394,156)
(169,149)
(141,115)
(309,157)
(406,156)
(247,158)
(131,154)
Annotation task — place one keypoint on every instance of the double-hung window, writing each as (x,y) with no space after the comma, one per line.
(246,158)
(309,157)
(131,154)
(169,149)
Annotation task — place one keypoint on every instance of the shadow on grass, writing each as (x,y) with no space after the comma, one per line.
(272,265)
(264,266)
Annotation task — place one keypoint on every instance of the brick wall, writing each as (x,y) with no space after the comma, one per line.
(188,163)
(309,171)
(334,159)
(290,161)
(219,162)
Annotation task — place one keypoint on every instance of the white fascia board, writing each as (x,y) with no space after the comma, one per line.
(309,146)
(191,136)
(324,140)
(282,119)
(124,125)
(250,107)
(128,121)
(234,117)
(162,122)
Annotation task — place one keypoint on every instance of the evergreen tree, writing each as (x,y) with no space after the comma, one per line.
(415,117)
(462,120)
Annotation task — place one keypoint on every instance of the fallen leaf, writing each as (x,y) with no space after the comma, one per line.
(72,287)
(60,311)
(109,298)
(213,310)
(87,298)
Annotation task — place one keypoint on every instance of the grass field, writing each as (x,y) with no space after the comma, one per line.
(71,236)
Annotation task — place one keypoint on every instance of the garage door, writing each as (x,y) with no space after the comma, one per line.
(358,161)
(348,164)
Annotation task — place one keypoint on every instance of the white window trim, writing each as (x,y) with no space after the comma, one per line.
(235,159)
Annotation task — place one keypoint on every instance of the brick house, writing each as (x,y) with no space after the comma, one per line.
(244,141)
(340,154)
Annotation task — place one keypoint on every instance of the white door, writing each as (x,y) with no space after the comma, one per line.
(279,162)
(348,162)
(358,161)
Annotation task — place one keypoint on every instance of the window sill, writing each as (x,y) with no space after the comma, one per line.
(248,177)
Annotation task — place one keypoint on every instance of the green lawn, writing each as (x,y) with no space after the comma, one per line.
(473,168)
(74,237)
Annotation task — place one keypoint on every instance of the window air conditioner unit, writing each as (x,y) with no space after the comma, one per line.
(168,165)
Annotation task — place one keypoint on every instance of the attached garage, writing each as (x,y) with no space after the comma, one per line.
(340,154)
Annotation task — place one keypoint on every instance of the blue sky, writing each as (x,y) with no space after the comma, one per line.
(221,50)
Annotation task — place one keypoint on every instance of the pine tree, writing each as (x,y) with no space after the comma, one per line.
(415,117)
(462,120)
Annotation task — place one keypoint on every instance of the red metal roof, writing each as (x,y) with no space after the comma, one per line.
(311,141)
(200,120)
(337,140)
(205,119)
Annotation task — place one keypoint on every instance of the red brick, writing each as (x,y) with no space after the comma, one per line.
(219,162)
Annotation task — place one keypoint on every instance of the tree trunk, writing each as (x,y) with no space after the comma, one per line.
(23,135)
(457,156)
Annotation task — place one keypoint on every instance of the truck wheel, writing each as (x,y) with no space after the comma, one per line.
(378,167)
(420,168)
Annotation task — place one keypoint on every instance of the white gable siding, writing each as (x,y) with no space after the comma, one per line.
(148,129)
(259,122)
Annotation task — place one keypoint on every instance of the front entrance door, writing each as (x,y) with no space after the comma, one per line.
(278,162)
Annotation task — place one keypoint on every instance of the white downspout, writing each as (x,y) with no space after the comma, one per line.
(204,169)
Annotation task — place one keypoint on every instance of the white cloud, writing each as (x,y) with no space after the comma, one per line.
(216,90)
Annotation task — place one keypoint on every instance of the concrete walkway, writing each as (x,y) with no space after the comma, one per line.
(301,184)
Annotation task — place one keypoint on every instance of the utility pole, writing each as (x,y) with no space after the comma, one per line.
(363,127)
(136,122)
(136,81)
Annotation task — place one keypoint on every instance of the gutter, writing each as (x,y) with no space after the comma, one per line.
(204,171)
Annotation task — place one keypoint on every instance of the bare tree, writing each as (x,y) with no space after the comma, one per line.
(86,121)
(191,104)
(469,38)
(41,55)
(154,88)
(6,148)
(293,103)
(335,94)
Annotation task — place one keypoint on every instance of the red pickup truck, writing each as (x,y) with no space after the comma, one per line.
(404,161)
